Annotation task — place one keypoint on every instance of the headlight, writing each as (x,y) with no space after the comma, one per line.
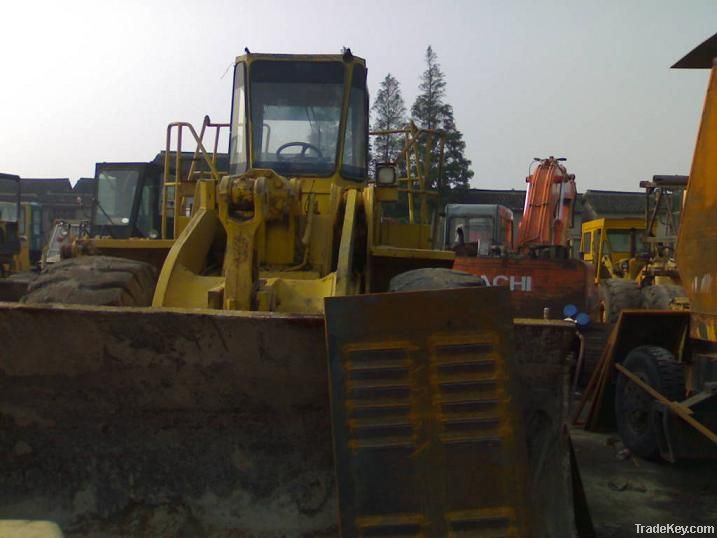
(385,174)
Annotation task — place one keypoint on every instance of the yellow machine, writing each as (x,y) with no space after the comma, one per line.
(272,389)
(634,259)
(611,245)
(662,397)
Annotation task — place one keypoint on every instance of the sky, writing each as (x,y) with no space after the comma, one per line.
(589,80)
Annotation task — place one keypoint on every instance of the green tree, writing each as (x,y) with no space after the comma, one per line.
(389,111)
(431,111)
(457,171)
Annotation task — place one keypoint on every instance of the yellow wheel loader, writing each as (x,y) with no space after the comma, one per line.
(274,388)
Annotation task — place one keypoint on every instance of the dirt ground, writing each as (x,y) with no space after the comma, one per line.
(622,492)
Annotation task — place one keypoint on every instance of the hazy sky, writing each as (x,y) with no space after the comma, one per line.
(88,81)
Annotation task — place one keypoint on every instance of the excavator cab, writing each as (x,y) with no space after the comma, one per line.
(485,229)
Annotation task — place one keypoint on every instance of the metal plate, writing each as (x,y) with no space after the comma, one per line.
(428,436)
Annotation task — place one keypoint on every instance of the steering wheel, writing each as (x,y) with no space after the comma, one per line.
(305,145)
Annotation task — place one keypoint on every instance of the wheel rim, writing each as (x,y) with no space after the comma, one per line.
(637,405)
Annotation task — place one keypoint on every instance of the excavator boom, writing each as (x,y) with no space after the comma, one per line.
(548,209)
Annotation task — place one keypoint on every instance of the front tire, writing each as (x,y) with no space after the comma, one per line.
(433,278)
(616,295)
(94,280)
(637,421)
(660,296)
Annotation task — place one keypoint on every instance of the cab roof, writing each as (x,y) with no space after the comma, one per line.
(346,57)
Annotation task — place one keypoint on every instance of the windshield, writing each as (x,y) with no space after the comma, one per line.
(619,240)
(477,230)
(115,196)
(8,212)
(296,112)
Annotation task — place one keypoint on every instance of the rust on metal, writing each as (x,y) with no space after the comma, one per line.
(429,400)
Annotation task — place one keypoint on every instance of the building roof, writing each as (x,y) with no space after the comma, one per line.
(84,185)
(606,203)
(510,198)
(45,186)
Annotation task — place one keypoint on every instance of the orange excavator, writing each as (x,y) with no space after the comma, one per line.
(548,212)
(537,268)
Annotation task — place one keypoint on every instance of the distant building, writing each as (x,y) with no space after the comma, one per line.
(612,204)
(57,198)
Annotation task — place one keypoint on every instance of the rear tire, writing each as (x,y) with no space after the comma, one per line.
(637,421)
(616,295)
(660,296)
(94,280)
(433,278)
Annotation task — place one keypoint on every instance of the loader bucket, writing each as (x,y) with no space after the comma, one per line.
(448,418)
(169,422)
(140,422)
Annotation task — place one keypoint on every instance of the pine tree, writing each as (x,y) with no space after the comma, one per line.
(457,171)
(430,111)
(389,112)
(429,108)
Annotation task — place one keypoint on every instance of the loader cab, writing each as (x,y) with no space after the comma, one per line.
(615,247)
(486,229)
(127,200)
(301,116)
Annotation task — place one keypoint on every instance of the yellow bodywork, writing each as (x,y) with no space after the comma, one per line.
(596,248)
(261,241)
(697,244)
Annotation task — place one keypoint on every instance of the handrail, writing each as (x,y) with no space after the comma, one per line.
(200,152)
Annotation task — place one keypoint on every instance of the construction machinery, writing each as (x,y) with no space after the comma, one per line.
(116,258)
(657,380)
(610,246)
(63,235)
(548,213)
(478,229)
(660,283)
(633,258)
(536,266)
(210,412)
